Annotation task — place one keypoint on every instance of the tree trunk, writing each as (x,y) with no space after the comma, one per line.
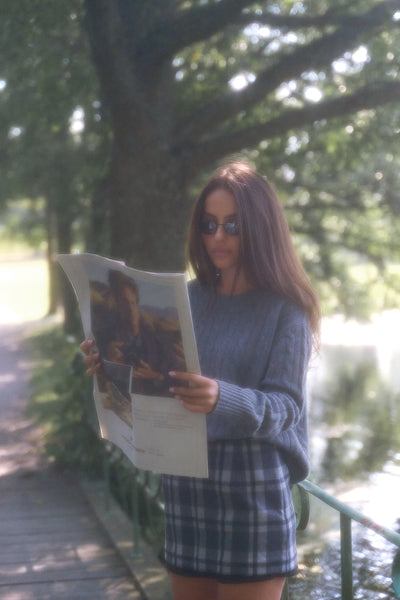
(54,288)
(148,204)
(98,234)
(64,242)
(149,211)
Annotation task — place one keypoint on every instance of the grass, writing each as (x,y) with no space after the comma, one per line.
(61,400)
(24,288)
(61,403)
(61,396)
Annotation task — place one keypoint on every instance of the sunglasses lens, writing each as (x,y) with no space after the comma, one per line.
(231,228)
(208,227)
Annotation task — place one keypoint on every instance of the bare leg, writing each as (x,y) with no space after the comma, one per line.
(260,590)
(193,588)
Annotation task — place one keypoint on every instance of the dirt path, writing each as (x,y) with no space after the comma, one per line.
(18,436)
(52,546)
(59,538)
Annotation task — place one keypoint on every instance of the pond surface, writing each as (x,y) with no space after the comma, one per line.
(354,416)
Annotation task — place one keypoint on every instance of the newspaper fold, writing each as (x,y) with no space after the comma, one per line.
(142,327)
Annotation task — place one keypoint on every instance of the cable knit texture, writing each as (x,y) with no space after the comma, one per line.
(257,346)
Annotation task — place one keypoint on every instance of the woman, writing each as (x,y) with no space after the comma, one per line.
(232,536)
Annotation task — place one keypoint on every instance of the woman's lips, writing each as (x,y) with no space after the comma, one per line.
(220,252)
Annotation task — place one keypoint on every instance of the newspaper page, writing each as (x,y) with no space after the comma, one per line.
(142,327)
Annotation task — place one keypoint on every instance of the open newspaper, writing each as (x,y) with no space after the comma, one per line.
(142,327)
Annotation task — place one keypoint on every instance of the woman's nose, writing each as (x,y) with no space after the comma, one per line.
(220,233)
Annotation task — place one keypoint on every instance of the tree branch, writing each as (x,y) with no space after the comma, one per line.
(103,26)
(106,29)
(188,27)
(327,19)
(370,96)
(314,55)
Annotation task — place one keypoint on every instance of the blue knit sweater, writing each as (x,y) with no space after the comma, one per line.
(257,346)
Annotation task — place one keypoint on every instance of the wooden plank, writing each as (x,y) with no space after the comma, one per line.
(100,589)
(142,561)
(20,574)
(52,546)
(63,555)
(43,526)
(54,553)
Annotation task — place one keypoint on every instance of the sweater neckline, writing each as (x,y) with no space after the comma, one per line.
(225,298)
(231,299)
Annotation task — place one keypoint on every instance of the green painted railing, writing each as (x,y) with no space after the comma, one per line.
(347,515)
(140,495)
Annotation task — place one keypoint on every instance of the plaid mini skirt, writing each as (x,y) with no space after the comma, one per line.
(237,525)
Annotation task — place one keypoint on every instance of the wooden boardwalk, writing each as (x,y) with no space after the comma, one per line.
(52,546)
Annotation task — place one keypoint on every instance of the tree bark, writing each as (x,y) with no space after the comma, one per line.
(161,144)
(148,207)
(147,201)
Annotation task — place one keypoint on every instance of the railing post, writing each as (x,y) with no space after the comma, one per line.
(396,574)
(346,557)
(135,519)
(285,591)
(106,476)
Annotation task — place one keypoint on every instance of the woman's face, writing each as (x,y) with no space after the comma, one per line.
(223,249)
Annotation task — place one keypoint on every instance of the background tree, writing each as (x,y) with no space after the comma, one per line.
(169,69)
(339,185)
(307,90)
(48,88)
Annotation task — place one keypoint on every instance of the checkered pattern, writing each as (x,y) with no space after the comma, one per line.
(237,523)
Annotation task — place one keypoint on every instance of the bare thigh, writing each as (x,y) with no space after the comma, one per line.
(193,588)
(260,590)
(202,588)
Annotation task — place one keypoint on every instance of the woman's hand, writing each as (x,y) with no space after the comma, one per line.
(200,396)
(92,357)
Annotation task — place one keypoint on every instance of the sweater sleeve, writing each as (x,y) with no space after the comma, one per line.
(278,403)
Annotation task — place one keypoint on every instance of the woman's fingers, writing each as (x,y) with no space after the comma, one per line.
(198,384)
(204,404)
(92,357)
(86,345)
(93,363)
(189,377)
(200,396)
(189,392)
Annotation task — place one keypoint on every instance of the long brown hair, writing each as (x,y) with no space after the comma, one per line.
(267,254)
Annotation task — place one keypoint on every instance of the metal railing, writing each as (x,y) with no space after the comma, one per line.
(140,495)
(347,515)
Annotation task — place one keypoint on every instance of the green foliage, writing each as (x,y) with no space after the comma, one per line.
(24,221)
(360,420)
(47,88)
(113,112)
(61,402)
(133,491)
(339,191)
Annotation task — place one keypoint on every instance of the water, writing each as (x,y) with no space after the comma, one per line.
(354,414)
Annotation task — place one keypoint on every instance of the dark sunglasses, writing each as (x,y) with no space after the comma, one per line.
(208,227)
